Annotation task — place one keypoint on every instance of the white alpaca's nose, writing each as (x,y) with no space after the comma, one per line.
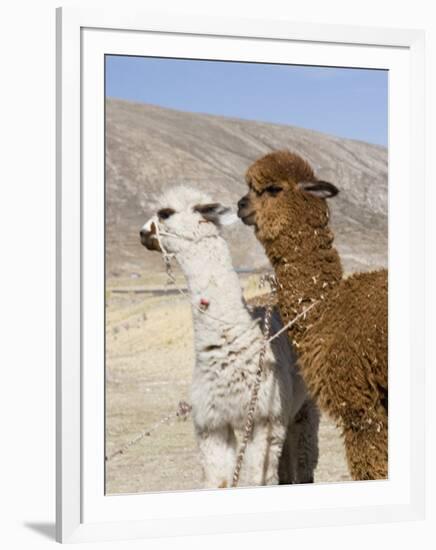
(147,235)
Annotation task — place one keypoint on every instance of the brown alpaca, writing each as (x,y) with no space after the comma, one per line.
(342,341)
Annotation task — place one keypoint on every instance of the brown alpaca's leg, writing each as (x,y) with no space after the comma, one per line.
(300,452)
(307,460)
(367,453)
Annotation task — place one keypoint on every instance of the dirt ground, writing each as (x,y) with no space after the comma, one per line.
(149,359)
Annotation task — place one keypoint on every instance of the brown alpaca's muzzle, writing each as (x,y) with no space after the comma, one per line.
(245,211)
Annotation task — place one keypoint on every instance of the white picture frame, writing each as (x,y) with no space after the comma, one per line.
(84,513)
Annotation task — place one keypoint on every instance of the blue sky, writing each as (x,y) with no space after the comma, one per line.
(350,103)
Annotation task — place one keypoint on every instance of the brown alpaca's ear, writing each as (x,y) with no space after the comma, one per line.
(320,189)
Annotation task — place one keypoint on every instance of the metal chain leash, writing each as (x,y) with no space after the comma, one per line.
(249,424)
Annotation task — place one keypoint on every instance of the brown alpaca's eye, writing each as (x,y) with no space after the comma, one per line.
(273,190)
(165,213)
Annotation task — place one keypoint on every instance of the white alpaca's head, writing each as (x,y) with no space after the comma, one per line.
(183,215)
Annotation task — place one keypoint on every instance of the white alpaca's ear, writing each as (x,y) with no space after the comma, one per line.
(216,213)
(320,189)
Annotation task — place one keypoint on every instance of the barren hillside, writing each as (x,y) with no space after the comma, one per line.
(149,148)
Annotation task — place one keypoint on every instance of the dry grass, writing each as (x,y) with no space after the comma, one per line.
(149,367)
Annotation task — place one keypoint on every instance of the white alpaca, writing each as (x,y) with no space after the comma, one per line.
(227,344)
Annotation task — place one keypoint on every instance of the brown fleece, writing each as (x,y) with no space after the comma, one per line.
(342,341)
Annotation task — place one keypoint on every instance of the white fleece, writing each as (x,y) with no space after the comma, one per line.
(227,336)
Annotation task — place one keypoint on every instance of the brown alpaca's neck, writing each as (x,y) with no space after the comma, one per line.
(307,268)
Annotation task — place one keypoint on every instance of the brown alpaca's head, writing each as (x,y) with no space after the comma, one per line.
(284,195)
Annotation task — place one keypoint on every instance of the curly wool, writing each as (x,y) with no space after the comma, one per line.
(342,342)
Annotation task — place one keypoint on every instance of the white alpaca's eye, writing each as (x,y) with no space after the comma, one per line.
(165,213)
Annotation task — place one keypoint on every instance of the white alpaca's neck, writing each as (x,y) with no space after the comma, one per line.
(211,278)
